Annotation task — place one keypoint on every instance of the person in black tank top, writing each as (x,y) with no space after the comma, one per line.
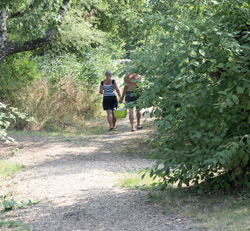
(108,87)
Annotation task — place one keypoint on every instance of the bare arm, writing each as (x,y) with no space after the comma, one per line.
(101,89)
(123,93)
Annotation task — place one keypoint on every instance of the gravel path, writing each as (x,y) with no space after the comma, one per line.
(74,180)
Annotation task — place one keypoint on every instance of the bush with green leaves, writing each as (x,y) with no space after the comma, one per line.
(17,73)
(11,204)
(8,115)
(197,76)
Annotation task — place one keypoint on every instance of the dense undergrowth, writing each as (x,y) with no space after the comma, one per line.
(196,64)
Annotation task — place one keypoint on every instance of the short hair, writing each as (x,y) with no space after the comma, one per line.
(108,73)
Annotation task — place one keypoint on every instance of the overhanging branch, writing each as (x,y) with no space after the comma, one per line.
(20,13)
(8,48)
(16,47)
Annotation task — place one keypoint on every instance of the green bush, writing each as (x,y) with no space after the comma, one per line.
(8,115)
(55,90)
(17,73)
(196,66)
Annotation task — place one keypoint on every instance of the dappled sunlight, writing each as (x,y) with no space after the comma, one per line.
(75,180)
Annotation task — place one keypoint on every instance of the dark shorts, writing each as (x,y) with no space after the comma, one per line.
(131,96)
(109,102)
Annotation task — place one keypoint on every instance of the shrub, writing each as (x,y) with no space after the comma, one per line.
(197,68)
(8,115)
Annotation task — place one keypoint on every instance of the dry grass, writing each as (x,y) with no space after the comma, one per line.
(59,106)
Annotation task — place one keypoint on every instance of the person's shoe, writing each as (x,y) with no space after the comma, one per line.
(111,129)
(139,127)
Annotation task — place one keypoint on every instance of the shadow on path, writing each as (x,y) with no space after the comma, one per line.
(74,179)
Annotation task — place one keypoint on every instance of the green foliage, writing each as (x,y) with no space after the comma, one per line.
(17,72)
(162,6)
(78,33)
(9,224)
(36,21)
(97,62)
(15,4)
(66,89)
(196,65)
(53,82)
(10,204)
(8,115)
(122,19)
(49,82)
(139,180)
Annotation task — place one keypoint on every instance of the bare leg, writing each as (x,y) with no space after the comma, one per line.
(131,118)
(138,116)
(110,118)
(113,120)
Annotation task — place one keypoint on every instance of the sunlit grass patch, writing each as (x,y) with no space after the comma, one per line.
(138,180)
(8,169)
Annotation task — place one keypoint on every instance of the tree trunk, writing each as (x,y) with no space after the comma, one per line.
(3,34)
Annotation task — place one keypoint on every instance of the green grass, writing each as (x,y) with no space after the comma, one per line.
(9,225)
(216,212)
(133,180)
(8,169)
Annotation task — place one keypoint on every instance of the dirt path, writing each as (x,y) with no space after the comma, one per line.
(74,178)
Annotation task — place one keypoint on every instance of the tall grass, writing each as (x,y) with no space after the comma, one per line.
(57,105)
(58,91)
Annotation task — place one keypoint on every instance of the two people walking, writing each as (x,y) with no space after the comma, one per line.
(109,88)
